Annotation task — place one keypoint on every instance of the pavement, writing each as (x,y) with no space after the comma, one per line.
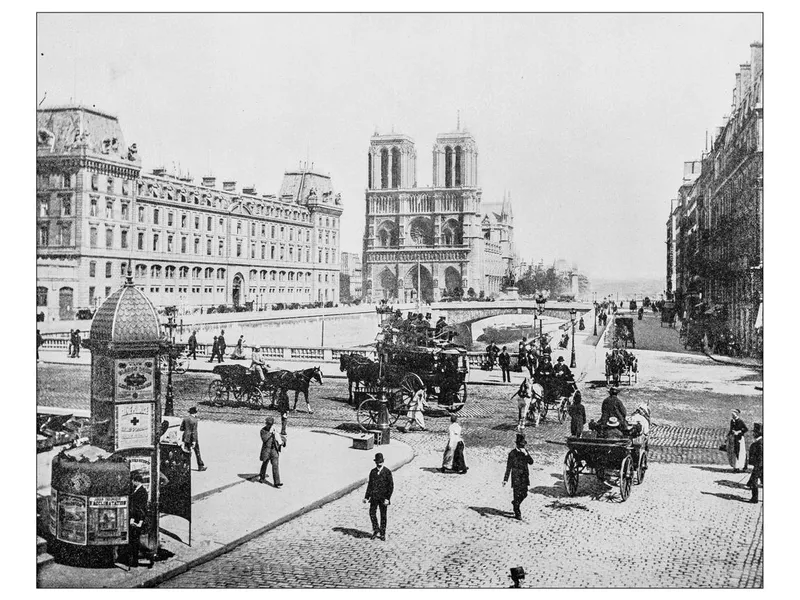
(229,506)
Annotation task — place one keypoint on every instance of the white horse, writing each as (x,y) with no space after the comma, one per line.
(528,392)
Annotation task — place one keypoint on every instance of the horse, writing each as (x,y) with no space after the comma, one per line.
(615,365)
(534,394)
(298,381)
(358,368)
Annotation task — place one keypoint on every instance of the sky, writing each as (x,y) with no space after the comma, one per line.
(584,119)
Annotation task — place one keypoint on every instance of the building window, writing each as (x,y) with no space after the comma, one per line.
(109,238)
(155,242)
(41,296)
(109,266)
(238,248)
(263,230)
(125,211)
(140,215)
(170,218)
(263,251)
(169,272)
(126,187)
(208,247)
(93,237)
(183,220)
(272,252)
(221,248)
(283,232)
(93,207)
(110,185)
(123,268)
(197,245)
(222,225)
(197,222)
(95,183)
(320,257)
(183,272)
(66,206)
(109,209)
(209,273)
(91,295)
(209,223)
(155,216)
(183,244)
(140,240)
(155,272)
(308,255)
(141,271)
(92,268)
(238,228)
(196,271)
(252,250)
(283,252)
(291,253)
(272,232)
(252,229)
(169,243)
(308,235)
(123,238)
(220,273)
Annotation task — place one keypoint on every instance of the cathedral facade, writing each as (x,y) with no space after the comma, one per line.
(436,241)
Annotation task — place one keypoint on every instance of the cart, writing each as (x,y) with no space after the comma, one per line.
(241,383)
(623,331)
(624,458)
(557,396)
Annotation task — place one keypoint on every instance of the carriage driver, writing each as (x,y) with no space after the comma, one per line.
(613,408)
(258,365)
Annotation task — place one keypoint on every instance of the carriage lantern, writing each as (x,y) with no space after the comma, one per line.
(572,314)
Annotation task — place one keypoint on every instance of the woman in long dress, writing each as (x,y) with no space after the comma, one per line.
(415,408)
(454,451)
(737,456)
(238,352)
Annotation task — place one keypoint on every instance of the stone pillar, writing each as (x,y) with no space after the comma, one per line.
(389,170)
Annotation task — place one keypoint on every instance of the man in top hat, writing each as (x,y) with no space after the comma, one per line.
(613,407)
(137,512)
(215,350)
(504,360)
(190,438)
(192,346)
(271,443)
(379,495)
(440,325)
(221,345)
(756,459)
(517,467)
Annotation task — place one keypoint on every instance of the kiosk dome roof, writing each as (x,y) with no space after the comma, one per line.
(126,317)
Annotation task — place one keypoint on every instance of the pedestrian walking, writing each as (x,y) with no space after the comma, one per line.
(283,408)
(581,325)
(190,437)
(221,345)
(416,407)
(735,446)
(70,349)
(192,346)
(39,342)
(504,360)
(517,468)
(756,460)
(577,414)
(271,444)
(137,512)
(214,349)
(453,457)
(380,488)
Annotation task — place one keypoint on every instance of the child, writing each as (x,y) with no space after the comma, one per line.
(577,414)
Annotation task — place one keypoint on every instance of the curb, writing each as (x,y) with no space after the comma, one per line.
(183,567)
(734,363)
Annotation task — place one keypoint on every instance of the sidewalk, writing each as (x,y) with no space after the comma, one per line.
(229,506)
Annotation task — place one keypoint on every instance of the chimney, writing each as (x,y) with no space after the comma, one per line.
(209,182)
(746,78)
(737,93)
(160,172)
(250,191)
(756,58)
(229,186)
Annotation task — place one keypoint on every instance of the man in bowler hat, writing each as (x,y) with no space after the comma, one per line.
(271,443)
(756,459)
(379,495)
(190,439)
(517,467)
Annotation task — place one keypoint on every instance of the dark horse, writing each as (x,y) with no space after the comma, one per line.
(298,381)
(358,368)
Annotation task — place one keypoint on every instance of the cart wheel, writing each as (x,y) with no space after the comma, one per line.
(571,473)
(409,386)
(217,394)
(641,468)
(459,398)
(367,414)
(256,398)
(625,477)
(563,409)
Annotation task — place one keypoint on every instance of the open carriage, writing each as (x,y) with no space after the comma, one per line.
(624,461)
(621,365)
(623,331)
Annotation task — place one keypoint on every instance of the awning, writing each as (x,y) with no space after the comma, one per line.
(760,317)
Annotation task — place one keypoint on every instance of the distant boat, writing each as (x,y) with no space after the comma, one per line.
(504,334)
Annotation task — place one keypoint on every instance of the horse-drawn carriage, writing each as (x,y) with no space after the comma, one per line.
(399,373)
(621,363)
(246,386)
(623,331)
(625,458)
(550,393)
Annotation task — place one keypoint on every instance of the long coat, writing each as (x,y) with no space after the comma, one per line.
(380,486)
(517,467)
(189,429)
(271,442)
(612,407)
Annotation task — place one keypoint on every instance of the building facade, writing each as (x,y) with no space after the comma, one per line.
(188,245)
(715,231)
(351,270)
(430,242)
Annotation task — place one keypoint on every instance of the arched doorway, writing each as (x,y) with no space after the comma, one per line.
(236,295)
(388,283)
(452,279)
(65,310)
(421,282)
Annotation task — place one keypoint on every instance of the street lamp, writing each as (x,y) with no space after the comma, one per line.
(169,409)
(595,317)
(572,314)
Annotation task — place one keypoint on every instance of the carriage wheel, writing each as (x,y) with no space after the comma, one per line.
(625,477)
(563,409)
(641,468)
(409,386)
(459,398)
(256,398)
(396,408)
(218,394)
(571,473)
(367,414)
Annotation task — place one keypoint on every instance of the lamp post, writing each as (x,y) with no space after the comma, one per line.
(595,318)
(572,314)
(169,409)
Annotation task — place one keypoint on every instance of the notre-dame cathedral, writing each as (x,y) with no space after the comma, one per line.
(435,241)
